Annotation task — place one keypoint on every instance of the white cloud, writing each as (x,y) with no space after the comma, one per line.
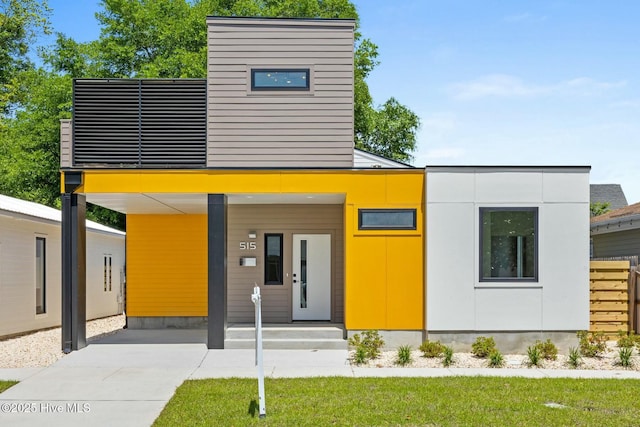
(506,86)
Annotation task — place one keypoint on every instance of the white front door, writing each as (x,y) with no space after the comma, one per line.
(311,277)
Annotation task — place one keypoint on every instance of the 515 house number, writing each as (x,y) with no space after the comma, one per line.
(248,246)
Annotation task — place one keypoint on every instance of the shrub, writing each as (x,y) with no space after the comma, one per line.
(495,359)
(628,340)
(592,344)
(432,348)
(360,356)
(483,347)
(624,357)
(404,357)
(534,354)
(547,349)
(370,342)
(447,359)
(574,359)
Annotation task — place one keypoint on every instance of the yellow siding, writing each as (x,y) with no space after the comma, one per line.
(167,265)
(384,270)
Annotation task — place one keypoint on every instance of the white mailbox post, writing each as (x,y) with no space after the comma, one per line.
(257,301)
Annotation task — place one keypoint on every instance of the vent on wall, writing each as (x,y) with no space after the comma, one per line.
(139,123)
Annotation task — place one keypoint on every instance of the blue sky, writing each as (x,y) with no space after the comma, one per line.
(499,82)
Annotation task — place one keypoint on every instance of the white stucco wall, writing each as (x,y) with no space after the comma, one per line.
(456,300)
(17,273)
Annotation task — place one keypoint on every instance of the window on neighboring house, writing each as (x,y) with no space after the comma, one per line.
(280,79)
(508,244)
(273,259)
(41,275)
(386,219)
(107,273)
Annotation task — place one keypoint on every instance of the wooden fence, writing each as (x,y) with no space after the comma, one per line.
(612,303)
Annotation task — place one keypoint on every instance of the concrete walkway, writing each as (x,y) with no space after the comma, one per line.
(127,378)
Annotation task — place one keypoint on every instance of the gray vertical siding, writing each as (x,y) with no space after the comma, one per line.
(65,143)
(288,220)
(286,129)
(620,243)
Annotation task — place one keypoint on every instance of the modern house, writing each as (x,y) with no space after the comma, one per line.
(250,177)
(30,259)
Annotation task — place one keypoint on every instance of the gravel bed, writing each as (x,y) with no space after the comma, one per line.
(609,361)
(43,348)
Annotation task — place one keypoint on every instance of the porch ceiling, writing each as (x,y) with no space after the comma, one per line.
(196,203)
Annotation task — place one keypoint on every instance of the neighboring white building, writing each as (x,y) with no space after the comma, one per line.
(507,253)
(30,260)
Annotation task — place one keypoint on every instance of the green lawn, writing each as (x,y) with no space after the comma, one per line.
(6,384)
(405,401)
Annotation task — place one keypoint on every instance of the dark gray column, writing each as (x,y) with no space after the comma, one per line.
(217,272)
(74,287)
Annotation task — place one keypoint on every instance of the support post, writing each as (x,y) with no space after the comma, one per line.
(74,296)
(217,270)
(256,299)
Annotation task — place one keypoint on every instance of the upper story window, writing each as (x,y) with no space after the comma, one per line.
(279,79)
(508,244)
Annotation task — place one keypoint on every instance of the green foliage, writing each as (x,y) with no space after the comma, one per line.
(483,347)
(447,358)
(431,349)
(624,357)
(574,359)
(592,344)
(534,355)
(403,356)
(370,342)
(599,208)
(360,355)
(496,360)
(21,22)
(6,384)
(628,339)
(547,349)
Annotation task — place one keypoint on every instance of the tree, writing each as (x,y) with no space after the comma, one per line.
(167,39)
(599,208)
(21,22)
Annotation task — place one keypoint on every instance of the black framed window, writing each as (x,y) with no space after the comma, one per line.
(273,259)
(508,244)
(279,79)
(386,219)
(41,275)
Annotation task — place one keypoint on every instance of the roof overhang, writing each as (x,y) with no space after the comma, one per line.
(613,225)
(196,203)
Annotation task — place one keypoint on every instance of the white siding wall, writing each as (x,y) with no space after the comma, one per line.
(457,300)
(17,274)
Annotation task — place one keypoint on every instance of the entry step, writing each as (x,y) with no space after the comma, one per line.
(288,344)
(294,336)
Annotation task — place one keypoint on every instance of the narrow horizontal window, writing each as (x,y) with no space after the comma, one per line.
(280,79)
(508,244)
(386,219)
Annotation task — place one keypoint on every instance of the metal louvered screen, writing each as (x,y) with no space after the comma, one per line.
(140,123)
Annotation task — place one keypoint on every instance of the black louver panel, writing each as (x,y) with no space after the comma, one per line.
(143,123)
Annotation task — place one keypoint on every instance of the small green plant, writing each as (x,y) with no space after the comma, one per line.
(403,356)
(624,357)
(431,349)
(483,347)
(370,343)
(447,357)
(547,349)
(574,359)
(496,360)
(534,355)
(360,356)
(592,344)
(628,339)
